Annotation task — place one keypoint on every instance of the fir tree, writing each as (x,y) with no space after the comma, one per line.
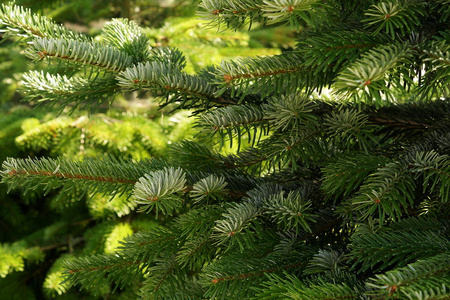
(340,187)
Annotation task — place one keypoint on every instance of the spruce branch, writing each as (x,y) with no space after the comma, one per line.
(235,122)
(290,112)
(436,81)
(198,222)
(43,136)
(211,187)
(395,16)
(158,190)
(163,278)
(369,75)
(334,50)
(289,10)
(290,212)
(388,191)
(68,91)
(102,176)
(91,54)
(128,37)
(350,127)
(195,156)
(170,55)
(379,251)
(240,274)
(292,287)
(344,176)
(234,14)
(426,278)
(265,75)
(22,22)
(150,245)
(239,225)
(102,270)
(436,171)
(167,80)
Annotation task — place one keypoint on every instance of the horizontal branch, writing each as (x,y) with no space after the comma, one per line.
(247,275)
(71,176)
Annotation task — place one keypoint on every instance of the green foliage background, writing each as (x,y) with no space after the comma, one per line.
(39,230)
(336,185)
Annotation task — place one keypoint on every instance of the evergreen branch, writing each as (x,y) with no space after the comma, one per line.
(167,79)
(395,16)
(334,50)
(162,274)
(350,127)
(195,156)
(238,224)
(40,137)
(101,270)
(443,10)
(436,81)
(103,176)
(234,14)
(436,170)
(265,75)
(136,253)
(210,187)
(421,223)
(157,190)
(411,116)
(390,190)
(288,10)
(170,55)
(64,90)
(290,112)
(369,74)
(248,158)
(252,274)
(20,21)
(128,37)
(302,148)
(426,278)
(343,177)
(379,251)
(236,120)
(238,274)
(196,253)
(177,287)
(80,52)
(150,245)
(327,261)
(233,116)
(198,222)
(290,212)
(292,287)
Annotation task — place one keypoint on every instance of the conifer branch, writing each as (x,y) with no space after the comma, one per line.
(21,21)
(68,91)
(399,248)
(425,278)
(99,176)
(128,37)
(167,79)
(80,52)
(395,16)
(369,73)
(247,76)
(157,189)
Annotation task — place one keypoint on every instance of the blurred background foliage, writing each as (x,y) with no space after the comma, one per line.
(38,230)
